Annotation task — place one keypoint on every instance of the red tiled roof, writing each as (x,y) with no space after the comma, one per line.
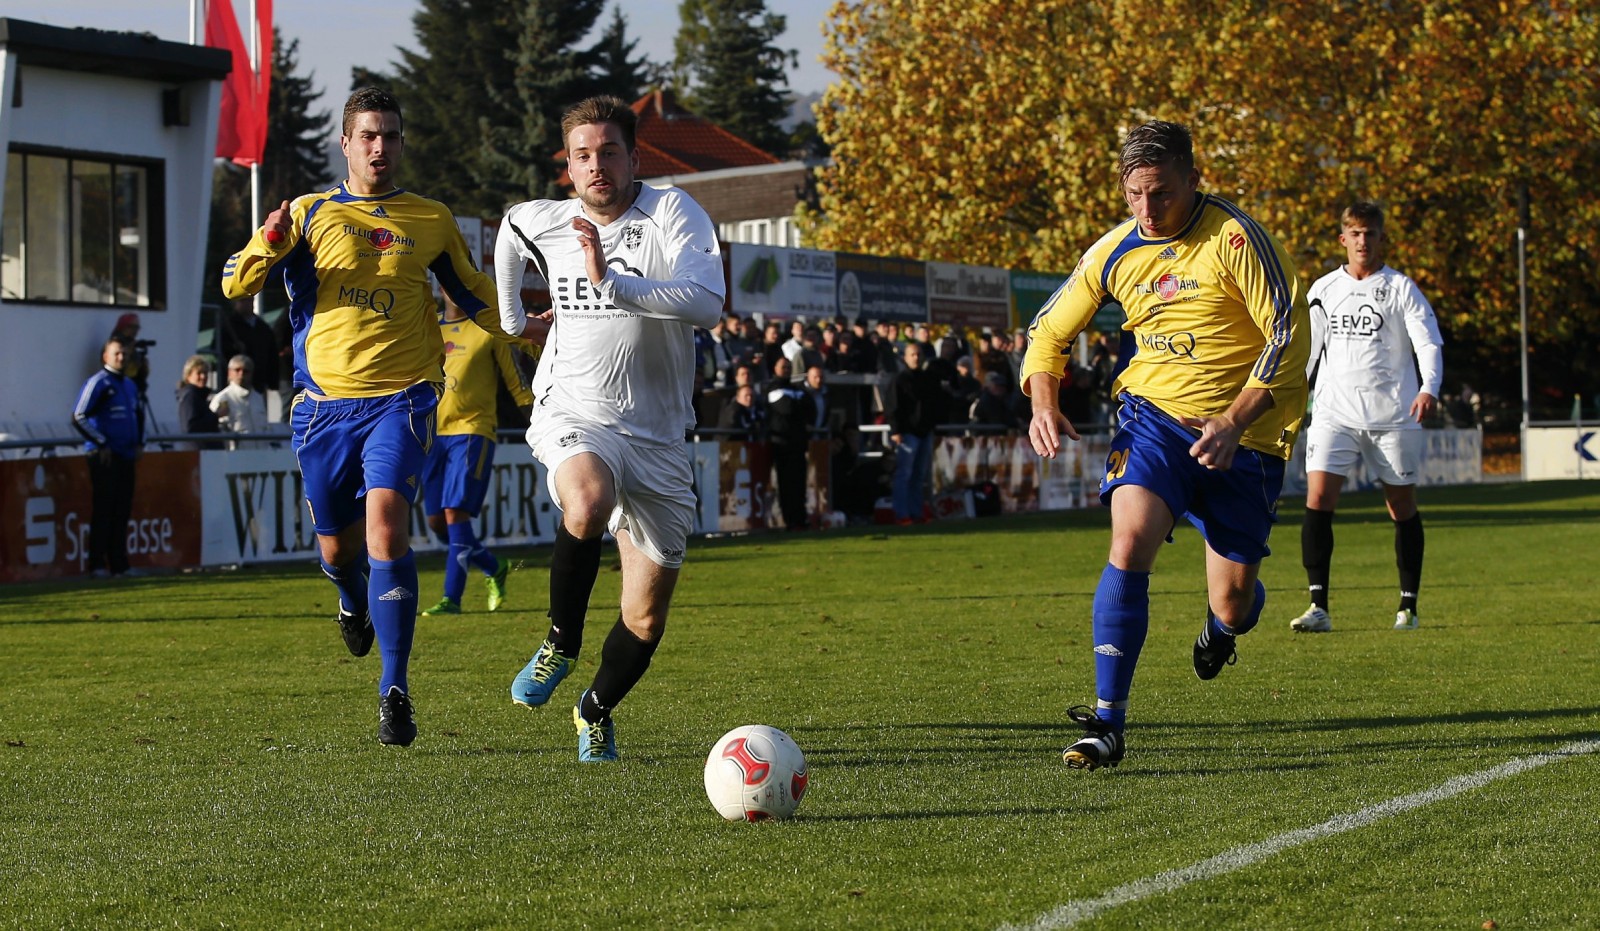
(673,141)
(704,146)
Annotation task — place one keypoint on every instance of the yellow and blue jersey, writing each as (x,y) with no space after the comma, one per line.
(361,309)
(1213,310)
(472,360)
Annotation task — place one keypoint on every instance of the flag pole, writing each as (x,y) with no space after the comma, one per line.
(255,166)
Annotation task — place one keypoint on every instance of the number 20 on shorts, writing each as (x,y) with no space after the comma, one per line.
(1116,464)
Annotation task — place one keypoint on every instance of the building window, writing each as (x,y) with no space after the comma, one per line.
(82,229)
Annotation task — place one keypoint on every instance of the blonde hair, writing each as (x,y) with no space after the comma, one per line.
(190,365)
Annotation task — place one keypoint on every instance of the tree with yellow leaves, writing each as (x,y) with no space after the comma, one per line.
(987,132)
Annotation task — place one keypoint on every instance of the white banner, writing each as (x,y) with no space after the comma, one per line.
(1562,452)
(778,282)
(252,505)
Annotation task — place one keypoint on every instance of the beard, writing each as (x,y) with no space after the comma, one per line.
(606,198)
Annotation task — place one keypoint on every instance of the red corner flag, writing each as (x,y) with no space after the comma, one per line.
(242,131)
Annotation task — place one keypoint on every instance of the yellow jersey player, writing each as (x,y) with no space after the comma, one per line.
(457,476)
(355,262)
(1210,406)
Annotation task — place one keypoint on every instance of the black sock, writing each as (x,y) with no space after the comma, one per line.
(623,660)
(1408,556)
(574,565)
(1316,553)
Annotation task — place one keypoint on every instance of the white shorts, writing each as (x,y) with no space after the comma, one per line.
(656,502)
(1393,457)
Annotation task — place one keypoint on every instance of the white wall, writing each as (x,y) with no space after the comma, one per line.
(47,352)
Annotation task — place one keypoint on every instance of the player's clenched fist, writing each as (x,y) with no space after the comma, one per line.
(276,228)
(594,254)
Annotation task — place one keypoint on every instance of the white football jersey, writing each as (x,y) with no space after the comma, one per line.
(619,355)
(1363,337)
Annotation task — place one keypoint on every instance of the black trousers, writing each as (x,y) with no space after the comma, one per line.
(112,477)
(789,460)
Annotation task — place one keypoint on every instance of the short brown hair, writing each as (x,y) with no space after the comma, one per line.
(370,100)
(1364,212)
(602,109)
(1155,144)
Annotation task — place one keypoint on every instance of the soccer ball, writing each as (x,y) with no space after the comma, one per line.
(755,773)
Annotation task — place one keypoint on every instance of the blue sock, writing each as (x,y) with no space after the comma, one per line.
(455,565)
(465,550)
(1215,627)
(478,555)
(351,581)
(1254,616)
(394,616)
(1121,621)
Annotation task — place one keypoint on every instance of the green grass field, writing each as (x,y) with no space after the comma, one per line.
(198,751)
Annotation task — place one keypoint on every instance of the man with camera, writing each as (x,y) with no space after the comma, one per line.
(135,350)
(110,415)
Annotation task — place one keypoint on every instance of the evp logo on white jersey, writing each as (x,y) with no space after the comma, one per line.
(1363,323)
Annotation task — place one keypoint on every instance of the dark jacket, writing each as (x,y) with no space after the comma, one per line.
(918,403)
(751,421)
(790,412)
(194,410)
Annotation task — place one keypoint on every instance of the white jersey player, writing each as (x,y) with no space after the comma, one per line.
(1372,330)
(632,271)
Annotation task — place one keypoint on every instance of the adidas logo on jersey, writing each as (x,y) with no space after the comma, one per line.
(1168,253)
(397,594)
(379,212)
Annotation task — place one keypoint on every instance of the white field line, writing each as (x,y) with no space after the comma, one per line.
(1226,862)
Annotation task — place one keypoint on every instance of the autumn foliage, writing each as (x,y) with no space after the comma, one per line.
(986,132)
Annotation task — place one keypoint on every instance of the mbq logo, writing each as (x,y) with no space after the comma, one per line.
(1178,344)
(378,300)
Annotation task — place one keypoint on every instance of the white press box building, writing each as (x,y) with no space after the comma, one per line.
(105,194)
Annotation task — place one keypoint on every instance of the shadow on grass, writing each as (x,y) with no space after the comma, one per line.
(1482,716)
(1067,811)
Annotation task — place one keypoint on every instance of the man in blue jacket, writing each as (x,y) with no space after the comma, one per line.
(112,423)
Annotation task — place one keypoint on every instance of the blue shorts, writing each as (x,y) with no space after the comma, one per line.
(457,475)
(1234,509)
(346,446)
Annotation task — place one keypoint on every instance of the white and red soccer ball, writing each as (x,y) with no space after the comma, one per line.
(755,773)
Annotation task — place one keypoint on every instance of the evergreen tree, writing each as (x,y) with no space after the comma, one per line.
(547,77)
(729,72)
(450,89)
(615,70)
(296,157)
